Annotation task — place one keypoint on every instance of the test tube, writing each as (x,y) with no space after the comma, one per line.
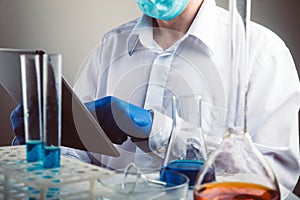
(52,109)
(31,96)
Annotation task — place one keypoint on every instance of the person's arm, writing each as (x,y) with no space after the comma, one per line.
(274,100)
(160,133)
(17,121)
(86,84)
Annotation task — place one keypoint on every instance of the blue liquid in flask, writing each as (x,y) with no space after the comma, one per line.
(51,157)
(34,151)
(189,168)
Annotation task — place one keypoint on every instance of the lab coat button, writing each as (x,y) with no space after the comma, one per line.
(215,114)
(161,149)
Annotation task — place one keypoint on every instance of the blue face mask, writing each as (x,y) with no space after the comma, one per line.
(162,9)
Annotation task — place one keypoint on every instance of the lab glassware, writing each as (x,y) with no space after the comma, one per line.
(52,109)
(241,171)
(186,151)
(133,184)
(31,96)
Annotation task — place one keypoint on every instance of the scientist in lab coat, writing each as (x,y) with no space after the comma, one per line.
(180,47)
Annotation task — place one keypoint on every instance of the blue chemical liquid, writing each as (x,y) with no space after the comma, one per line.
(189,168)
(34,151)
(51,157)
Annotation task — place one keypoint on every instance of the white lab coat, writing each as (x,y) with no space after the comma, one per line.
(125,64)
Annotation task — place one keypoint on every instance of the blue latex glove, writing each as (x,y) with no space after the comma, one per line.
(17,121)
(120,119)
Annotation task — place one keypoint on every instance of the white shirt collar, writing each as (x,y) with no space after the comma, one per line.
(202,28)
(141,31)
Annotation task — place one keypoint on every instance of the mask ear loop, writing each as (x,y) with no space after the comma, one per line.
(130,169)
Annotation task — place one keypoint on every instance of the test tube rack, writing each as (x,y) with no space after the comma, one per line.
(23,180)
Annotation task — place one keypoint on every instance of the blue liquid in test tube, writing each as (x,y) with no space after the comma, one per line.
(51,157)
(34,151)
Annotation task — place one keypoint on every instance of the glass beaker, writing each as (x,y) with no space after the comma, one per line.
(186,151)
(52,109)
(241,171)
(31,96)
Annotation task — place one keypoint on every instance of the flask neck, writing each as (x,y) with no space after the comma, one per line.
(235,132)
(239,76)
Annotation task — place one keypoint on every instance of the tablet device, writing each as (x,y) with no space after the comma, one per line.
(80,130)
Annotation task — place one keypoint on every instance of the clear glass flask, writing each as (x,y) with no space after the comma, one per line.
(186,151)
(240,170)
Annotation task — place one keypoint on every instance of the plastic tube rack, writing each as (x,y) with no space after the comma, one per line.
(22,180)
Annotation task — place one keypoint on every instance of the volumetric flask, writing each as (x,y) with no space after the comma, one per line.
(186,150)
(241,171)
(31,96)
(52,109)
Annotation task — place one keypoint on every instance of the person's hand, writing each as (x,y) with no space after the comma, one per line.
(120,119)
(17,121)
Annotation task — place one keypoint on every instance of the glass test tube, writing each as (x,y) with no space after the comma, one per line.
(52,109)
(31,96)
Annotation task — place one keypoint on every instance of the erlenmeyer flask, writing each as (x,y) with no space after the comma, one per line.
(240,170)
(186,151)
